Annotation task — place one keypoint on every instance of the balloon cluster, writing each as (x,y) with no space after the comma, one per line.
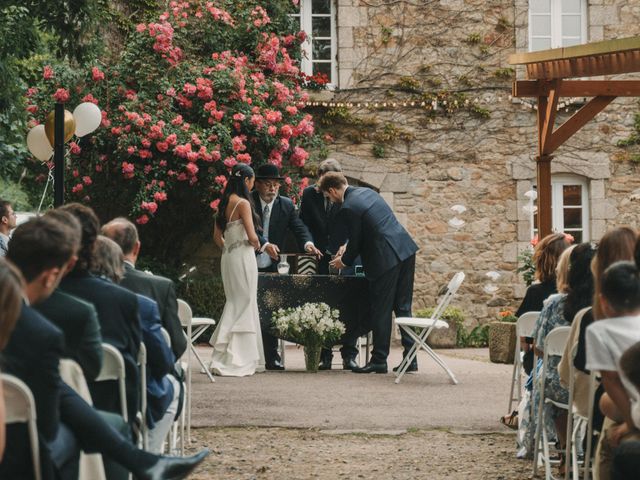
(85,118)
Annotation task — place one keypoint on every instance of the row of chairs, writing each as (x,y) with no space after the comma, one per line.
(578,426)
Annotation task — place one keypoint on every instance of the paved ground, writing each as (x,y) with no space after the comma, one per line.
(336,424)
(342,400)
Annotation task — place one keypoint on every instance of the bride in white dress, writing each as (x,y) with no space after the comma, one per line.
(237,341)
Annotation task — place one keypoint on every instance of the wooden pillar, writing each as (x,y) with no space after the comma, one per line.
(543,164)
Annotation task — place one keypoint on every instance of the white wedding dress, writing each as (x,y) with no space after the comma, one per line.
(237,341)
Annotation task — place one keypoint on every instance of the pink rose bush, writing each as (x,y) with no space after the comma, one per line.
(203,86)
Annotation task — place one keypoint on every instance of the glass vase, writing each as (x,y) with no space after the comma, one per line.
(312,356)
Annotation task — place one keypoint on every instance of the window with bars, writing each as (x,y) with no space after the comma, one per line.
(569,207)
(557,23)
(317,20)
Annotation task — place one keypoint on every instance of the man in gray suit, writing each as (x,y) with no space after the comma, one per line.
(158,288)
(7,223)
(388,255)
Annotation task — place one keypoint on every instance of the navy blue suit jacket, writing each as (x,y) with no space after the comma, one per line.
(374,232)
(160,361)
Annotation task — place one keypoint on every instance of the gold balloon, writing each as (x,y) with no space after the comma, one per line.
(69,126)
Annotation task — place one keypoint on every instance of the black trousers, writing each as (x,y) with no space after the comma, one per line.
(390,293)
(626,461)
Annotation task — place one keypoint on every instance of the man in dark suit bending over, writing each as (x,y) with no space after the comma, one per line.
(388,255)
(278,216)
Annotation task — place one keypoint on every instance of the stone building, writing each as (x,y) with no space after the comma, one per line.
(420,110)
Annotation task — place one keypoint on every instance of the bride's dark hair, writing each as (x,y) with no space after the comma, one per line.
(236,184)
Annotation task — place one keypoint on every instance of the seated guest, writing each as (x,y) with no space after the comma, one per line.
(617,244)
(158,288)
(117,313)
(607,340)
(163,389)
(545,258)
(76,318)
(11,285)
(626,460)
(42,249)
(7,223)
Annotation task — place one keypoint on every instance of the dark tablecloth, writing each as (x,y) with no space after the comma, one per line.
(350,295)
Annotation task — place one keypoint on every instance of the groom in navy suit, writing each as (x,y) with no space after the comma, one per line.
(388,256)
(278,216)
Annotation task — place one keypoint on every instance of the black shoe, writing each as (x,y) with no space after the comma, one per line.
(371,368)
(413,367)
(349,364)
(172,468)
(275,365)
(325,365)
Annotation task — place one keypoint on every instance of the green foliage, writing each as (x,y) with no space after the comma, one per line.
(634,138)
(453,316)
(504,73)
(478,337)
(527,268)
(409,84)
(479,112)
(503,24)
(378,150)
(473,39)
(13,192)
(385,34)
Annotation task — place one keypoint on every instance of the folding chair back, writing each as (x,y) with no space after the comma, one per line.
(113,369)
(524,328)
(593,383)
(142,414)
(419,330)
(20,407)
(554,345)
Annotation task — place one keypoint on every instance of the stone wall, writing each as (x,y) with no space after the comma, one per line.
(402,52)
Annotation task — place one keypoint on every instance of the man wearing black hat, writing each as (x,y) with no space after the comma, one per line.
(278,215)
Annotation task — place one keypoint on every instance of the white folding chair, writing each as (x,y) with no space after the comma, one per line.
(578,426)
(554,345)
(113,369)
(419,330)
(195,327)
(176,433)
(20,407)
(142,414)
(524,328)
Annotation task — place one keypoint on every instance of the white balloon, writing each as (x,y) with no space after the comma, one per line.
(459,209)
(88,118)
(456,223)
(532,194)
(493,275)
(38,143)
(490,288)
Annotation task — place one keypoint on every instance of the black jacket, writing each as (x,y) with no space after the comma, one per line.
(78,321)
(327,236)
(117,310)
(163,291)
(283,218)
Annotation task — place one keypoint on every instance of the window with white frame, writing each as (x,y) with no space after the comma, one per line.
(569,207)
(557,23)
(317,20)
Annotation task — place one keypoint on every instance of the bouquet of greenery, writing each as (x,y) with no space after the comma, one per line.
(313,325)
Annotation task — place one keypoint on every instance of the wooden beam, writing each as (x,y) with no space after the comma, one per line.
(549,116)
(614,63)
(575,123)
(578,88)
(543,168)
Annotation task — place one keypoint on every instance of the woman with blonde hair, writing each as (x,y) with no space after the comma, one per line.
(11,284)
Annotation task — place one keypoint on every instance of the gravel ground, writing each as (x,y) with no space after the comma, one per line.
(288,453)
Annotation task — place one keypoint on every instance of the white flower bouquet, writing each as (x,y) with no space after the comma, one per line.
(313,325)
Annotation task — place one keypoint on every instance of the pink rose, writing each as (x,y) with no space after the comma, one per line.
(142,219)
(47,73)
(97,74)
(61,95)
(214,204)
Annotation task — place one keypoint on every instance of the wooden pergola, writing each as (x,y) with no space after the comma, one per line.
(548,72)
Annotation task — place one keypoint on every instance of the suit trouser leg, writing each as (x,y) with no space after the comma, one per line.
(404,297)
(383,296)
(94,435)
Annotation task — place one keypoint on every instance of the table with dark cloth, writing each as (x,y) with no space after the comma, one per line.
(348,294)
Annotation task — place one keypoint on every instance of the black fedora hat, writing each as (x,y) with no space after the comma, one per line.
(268,171)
